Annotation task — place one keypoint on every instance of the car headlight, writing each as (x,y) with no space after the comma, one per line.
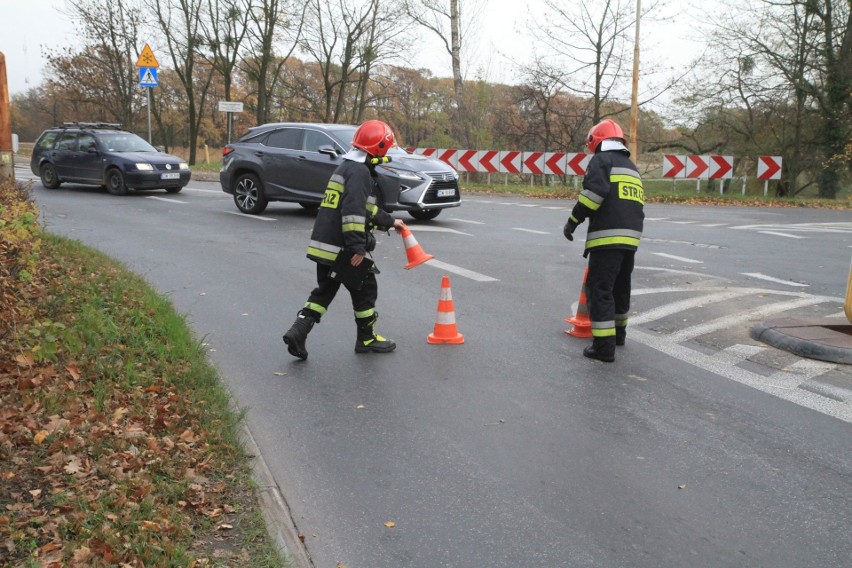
(183,166)
(144,167)
(405,174)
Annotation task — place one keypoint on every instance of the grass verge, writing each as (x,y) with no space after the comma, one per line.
(118,446)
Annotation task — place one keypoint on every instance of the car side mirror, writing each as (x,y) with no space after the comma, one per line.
(328,149)
(92,150)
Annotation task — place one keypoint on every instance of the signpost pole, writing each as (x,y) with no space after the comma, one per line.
(149,114)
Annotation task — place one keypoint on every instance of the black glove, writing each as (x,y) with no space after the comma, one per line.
(568,230)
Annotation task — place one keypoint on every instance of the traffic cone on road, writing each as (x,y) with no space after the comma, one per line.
(580,320)
(445,323)
(413,250)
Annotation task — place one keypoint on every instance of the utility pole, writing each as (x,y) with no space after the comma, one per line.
(634,108)
(7,165)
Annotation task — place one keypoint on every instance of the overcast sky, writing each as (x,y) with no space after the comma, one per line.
(503,39)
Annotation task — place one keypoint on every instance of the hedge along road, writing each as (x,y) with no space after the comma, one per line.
(512,449)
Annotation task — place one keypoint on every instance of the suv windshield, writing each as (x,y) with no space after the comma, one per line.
(124,142)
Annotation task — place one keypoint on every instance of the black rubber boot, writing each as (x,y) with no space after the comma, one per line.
(602,349)
(368,340)
(620,335)
(297,334)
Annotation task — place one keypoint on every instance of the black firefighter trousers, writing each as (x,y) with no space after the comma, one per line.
(608,291)
(363,300)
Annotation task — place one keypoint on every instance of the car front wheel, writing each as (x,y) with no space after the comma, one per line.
(174,189)
(115,183)
(425,214)
(49,179)
(248,194)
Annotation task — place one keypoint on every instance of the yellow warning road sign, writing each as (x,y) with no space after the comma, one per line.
(147,59)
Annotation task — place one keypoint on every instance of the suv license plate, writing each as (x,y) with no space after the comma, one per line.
(446,192)
(174,175)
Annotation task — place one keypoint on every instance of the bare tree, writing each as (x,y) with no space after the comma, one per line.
(272,21)
(179,21)
(224,32)
(445,20)
(110,33)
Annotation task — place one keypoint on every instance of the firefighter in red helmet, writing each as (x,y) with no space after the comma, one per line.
(612,199)
(344,222)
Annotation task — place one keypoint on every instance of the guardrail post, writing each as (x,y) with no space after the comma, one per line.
(7,164)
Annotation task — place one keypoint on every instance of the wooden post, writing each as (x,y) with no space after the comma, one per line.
(7,163)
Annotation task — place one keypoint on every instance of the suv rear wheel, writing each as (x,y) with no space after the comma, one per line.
(115,183)
(49,179)
(248,194)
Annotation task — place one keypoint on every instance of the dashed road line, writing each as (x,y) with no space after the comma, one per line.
(467,221)
(680,258)
(460,271)
(690,303)
(167,199)
(255,217)
(530,231)
(777,234)
(760,276)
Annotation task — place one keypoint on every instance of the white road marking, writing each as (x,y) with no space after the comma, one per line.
(799,372)
(736,354)
(170,200)
(656,218)
(789,236)
(527,204)
(218,192)
(680,258)
(675,271)
(689,303)
(467,221)
(255,217)
(736,319)
(530,231)
(684,222)
(760,276)
(713,225)
(460,271)
(434,229)
(557,208)
(807,399)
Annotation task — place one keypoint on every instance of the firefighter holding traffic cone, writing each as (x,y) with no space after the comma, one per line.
(341,241)
(612,200)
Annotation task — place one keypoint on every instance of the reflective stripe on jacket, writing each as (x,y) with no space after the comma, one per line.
(613,200)
(346,213)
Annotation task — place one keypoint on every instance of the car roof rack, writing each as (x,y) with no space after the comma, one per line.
(100,125)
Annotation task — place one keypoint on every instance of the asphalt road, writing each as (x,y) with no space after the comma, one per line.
(697,447)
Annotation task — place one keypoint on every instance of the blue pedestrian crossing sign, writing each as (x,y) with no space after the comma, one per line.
(147,76)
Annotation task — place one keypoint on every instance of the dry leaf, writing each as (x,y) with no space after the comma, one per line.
(681,486)
(224,526)
(24,360)
(39,437)
(390,524)
(73,371)
(359,407)
(279,374)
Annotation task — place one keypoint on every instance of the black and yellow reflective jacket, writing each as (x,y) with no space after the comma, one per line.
(347,213)
(613,200)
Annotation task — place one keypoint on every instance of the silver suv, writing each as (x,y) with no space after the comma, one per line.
(294,161)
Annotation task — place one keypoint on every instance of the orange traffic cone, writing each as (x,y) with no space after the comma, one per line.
(580,320)
(445,324)
(413,250)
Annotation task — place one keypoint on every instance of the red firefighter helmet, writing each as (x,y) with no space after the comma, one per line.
(374,137)
(604,130)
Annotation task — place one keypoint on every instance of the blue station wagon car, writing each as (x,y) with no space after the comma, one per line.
(294,161)
(103,154)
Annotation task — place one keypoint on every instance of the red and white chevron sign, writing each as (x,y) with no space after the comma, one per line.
(510,162)
(554,163)
(467,161)
(769,167)
(721,167)
(489,161)
(449,156)
(533,163)
(576,163)
(698,167)
(674,166)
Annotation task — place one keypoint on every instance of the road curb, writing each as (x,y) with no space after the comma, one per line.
(774,336)
(276,513)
